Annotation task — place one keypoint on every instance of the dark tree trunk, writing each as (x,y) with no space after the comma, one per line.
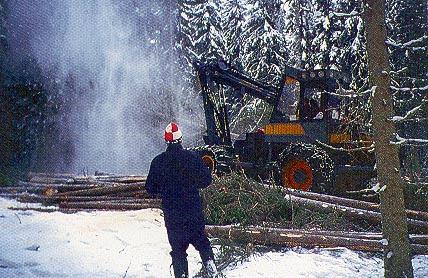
(397,255)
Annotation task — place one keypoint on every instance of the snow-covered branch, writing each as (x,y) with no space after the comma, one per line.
(351,14)
(409,141)
(350,93)
(358,149)
(399,119)
(410,89)
(408,44)
(403,70)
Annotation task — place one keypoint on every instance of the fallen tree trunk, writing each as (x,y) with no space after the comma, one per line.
(332,199)
(60,186)
(26,198)
(357,235)
(419,249)
(51,180)
(40,193)
(96,198)
(292,238)
(21,189)
(417,239)
(419,215)
(34,209)
(105,190)
(31,175)
(109,205)
(136,194)
(371,216)
(44,189)
(110,179)
(122,179)
(10,195)
(64,188)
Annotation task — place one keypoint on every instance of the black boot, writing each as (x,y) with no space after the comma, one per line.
(181,268)
(211,268)
(207,257)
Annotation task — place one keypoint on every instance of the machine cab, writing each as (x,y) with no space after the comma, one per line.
(307,96)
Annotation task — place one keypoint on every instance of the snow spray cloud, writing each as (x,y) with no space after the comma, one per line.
(116,60)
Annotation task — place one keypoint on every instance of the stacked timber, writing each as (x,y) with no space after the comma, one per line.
(353,209)
(70,193)
(371,242)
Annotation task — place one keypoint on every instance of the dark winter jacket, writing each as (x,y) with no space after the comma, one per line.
(176,175)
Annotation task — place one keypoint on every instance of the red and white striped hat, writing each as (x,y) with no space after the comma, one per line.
(173,133)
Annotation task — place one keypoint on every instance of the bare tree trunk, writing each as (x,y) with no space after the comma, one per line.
(358,204)
(374,217)
(397,255)
(307,239)
(144,204)
(105,190)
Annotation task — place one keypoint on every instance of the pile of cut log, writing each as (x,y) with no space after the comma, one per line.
(371,242)
(353,209)
(71,193)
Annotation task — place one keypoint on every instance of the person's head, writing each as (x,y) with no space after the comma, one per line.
(173,134)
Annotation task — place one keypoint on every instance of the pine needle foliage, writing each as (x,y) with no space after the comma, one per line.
(236,199)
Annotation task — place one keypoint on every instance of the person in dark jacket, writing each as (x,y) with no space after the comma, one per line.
(177,175)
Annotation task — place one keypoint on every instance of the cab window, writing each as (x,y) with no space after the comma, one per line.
(289,99)
(311,105)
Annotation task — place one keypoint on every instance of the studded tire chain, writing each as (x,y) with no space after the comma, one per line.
(320,162)
(223,157)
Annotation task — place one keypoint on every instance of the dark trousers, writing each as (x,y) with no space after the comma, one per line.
(180,236)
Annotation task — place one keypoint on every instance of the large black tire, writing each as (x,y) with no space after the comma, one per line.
(218,158)
(207,155)
(306,167)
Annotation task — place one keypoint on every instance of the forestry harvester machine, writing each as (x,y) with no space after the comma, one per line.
(303,146)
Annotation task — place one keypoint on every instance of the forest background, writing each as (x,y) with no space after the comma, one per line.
(62,82)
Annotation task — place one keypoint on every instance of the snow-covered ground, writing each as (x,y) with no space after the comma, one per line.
(134,244)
